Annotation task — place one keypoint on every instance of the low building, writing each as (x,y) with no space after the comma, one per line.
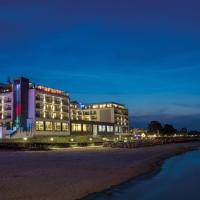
(108,117)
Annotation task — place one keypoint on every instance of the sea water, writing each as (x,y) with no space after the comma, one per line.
(179,178)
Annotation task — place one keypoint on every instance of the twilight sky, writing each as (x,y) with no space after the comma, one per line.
(145,54)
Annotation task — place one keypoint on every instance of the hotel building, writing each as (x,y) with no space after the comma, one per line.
(6,105)
(34,108)
(108,117)
(40,110)
(48,110)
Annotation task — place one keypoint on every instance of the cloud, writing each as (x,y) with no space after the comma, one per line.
(187,105)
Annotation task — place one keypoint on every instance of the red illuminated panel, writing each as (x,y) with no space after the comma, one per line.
(18,108)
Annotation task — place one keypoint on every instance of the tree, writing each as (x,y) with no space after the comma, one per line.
(168,129)
(194,133)
(154,127)
(183,131)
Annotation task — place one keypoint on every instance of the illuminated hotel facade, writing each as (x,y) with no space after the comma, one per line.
(34,108)
(44,111)
(100,118)
(48,110)
(6,105)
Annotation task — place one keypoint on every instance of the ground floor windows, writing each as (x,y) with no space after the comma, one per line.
(87,128)
(39,126)
(83,128)
(57,126)
(65,127)
(102,128)
(118,129)
(76,127)
(49,126)
(109,129)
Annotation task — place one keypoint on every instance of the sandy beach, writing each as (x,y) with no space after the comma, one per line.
(75,173)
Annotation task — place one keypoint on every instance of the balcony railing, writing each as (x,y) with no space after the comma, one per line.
(57,102)
(65,110)
(8,108)
(49,100)
(38,98)
(7,101)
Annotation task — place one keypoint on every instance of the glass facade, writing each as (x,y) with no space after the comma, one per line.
(102,128)
(76,127)
(49,126)
(109,129)
(65,127)
(57,126)
(39,126)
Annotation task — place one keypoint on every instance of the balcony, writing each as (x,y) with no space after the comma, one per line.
(57,101)
(9,108)
(39,114)
(39,106)
(65,109)
(49,100)
(7,101)
(39,97)
(65,118)
(65,102)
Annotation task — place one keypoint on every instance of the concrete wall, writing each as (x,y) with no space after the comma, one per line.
(107,115)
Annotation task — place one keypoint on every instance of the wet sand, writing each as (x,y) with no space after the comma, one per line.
(74,173)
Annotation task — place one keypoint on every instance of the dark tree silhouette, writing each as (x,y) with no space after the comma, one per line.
(168,129)
(183,131)
(154,127)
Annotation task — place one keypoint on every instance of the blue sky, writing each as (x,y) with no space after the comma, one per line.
(145,54)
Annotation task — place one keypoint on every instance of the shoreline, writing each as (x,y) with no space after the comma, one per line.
(151,172)
(79,173)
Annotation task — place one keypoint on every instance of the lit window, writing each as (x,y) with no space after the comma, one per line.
(57,126)
(84,127)
(39,126)
(65,127)
(109,129)
(49,126)
(76,127)
(102,128)
(120,129)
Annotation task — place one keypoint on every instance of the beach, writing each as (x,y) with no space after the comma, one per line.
(74,173)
